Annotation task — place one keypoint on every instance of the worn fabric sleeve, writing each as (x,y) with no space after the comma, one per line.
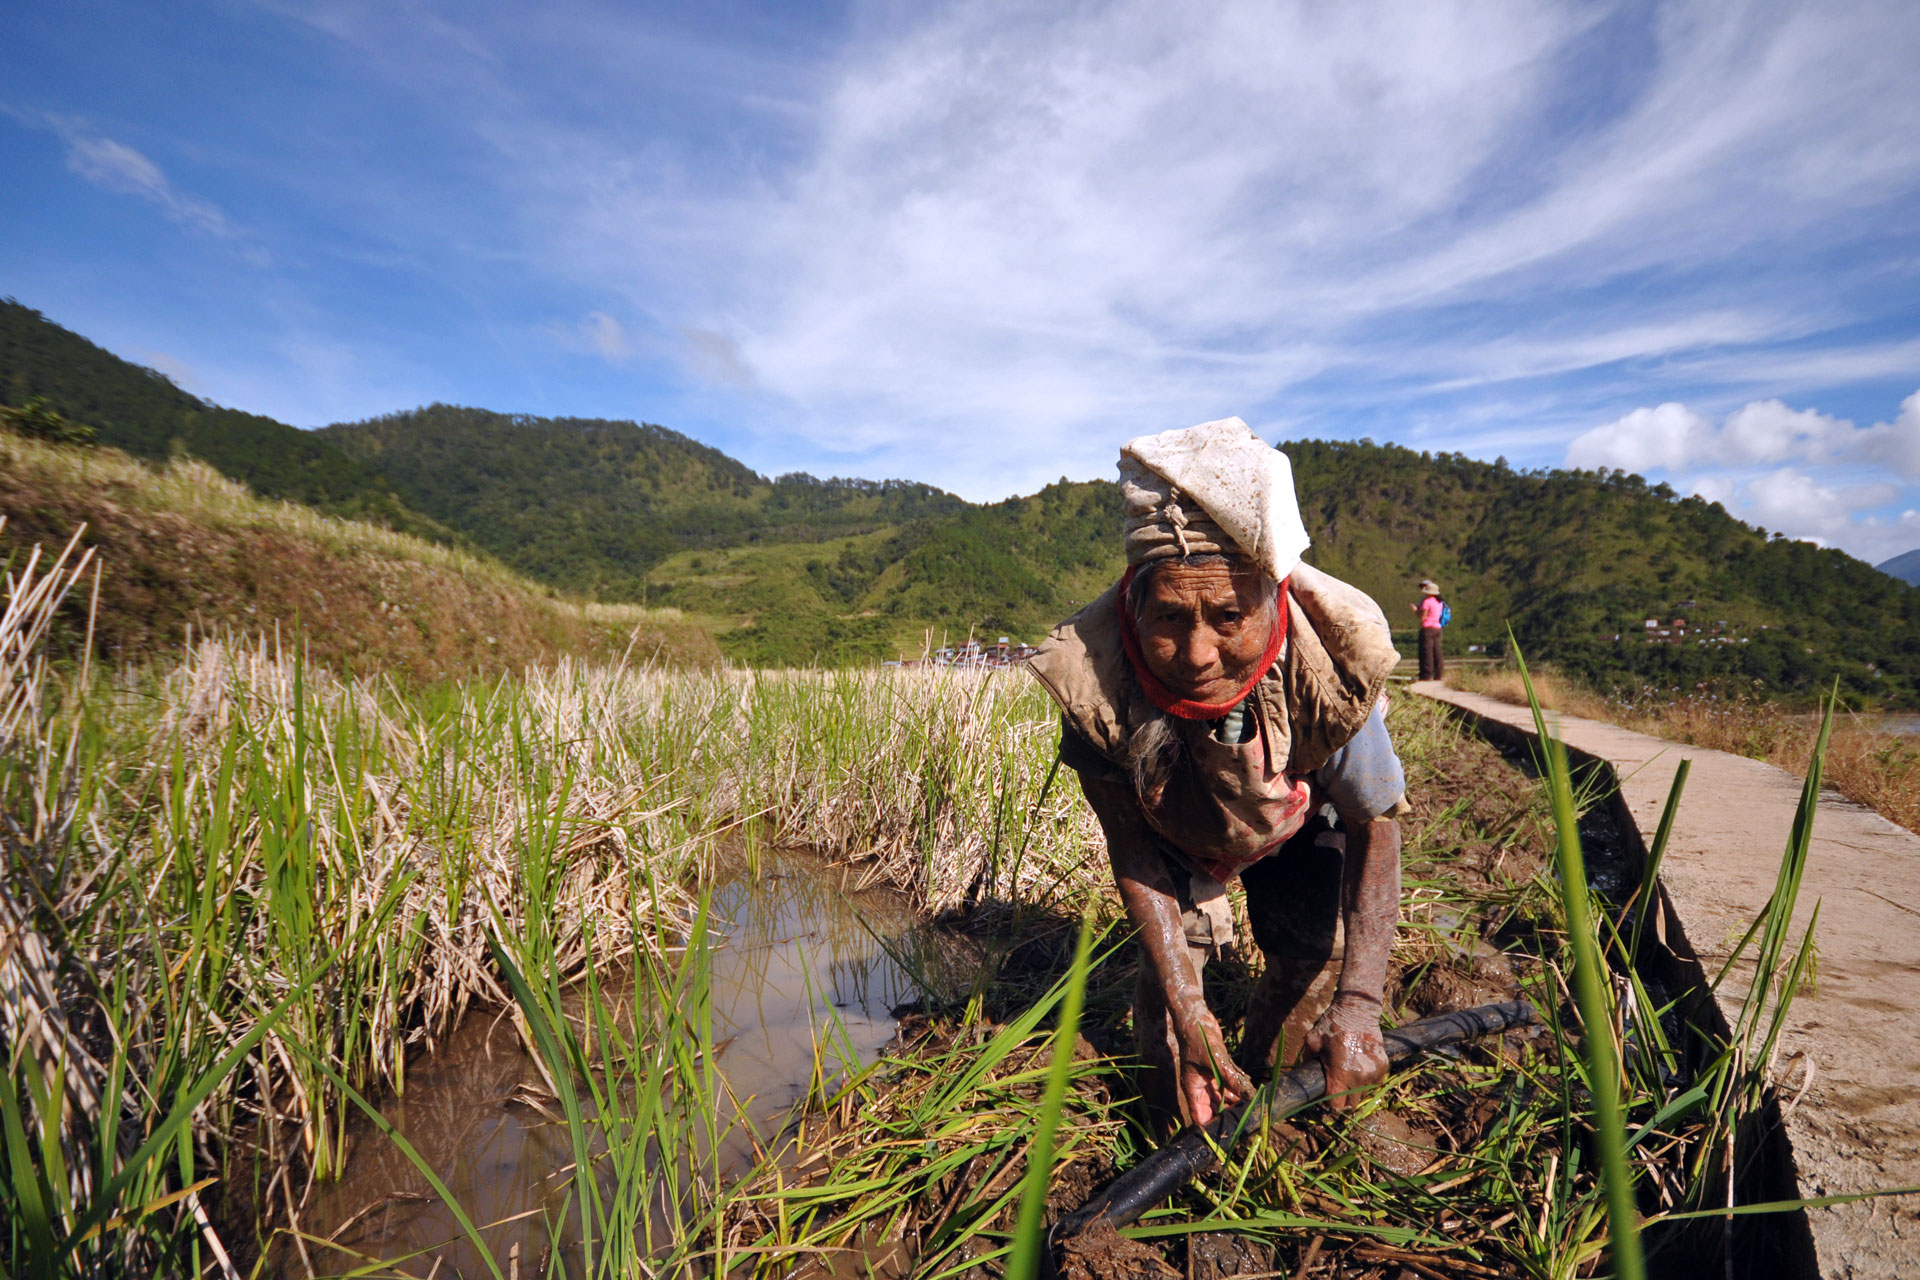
(1364,779)
(1080,755)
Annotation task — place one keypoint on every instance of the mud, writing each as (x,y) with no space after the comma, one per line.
(1104,1254)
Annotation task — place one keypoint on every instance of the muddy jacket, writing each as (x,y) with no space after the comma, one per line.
(1230,804)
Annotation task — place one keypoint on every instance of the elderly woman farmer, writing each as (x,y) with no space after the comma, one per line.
(1217,702)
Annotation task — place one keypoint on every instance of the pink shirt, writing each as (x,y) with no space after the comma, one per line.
(1430,611)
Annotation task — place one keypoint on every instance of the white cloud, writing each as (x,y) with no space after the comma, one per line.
(608,336)
(1064,225)
(597,333)
(1895,444)
(1795,502)
(117,167)
(716,357)
(1659,439)
(1673,437)
(1801,472)
(1855,517)
(1768,431)
(981,242)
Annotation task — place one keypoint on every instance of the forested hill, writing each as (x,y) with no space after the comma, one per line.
(141,411)
(803,570)
(1571,559)
(592,505)
(799,570)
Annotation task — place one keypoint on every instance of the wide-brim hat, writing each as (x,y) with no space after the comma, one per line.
(1428,587)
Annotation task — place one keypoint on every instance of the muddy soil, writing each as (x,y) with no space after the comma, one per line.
(1478,827)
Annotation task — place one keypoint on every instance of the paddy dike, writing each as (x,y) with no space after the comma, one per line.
(1851,1050)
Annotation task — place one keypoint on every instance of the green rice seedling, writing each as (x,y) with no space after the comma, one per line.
(1592,988)
(1029,1233)
(928,1146)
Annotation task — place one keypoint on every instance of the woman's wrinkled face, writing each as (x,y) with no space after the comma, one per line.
(1205,626)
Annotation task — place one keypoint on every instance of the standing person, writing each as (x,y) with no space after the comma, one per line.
(1218,703)
(1432,610)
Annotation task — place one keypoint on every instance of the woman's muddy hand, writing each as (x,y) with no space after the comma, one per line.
(1210,1080)
(1347,1041)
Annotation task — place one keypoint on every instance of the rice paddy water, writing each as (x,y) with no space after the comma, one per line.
(800,972)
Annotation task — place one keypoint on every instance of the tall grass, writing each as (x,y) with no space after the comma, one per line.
(242,849)
(241,890)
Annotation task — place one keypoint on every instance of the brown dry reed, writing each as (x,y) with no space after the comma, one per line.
(246,852)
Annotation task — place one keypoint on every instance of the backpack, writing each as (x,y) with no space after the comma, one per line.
(1446,613)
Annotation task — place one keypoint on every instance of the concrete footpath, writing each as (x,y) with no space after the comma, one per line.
(1857,1125)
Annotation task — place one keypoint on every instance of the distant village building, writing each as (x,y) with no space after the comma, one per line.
(1677,630)
(1004,652)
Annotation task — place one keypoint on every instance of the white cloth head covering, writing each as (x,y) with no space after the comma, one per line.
(1216,487)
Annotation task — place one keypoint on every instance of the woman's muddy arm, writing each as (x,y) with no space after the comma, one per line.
(1370,904)
(1347,1037)
(1208,1074)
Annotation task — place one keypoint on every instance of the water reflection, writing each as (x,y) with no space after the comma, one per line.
(797,973)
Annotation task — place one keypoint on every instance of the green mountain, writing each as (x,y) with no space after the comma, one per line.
(1572,559)
(1905,567)
(1009,568)
(801,570)
(592,505)
(142,412)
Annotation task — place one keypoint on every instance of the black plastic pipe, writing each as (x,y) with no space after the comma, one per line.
(1195,1150)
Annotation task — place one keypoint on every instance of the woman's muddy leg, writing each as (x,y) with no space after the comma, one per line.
(1293,904)
(1277,997)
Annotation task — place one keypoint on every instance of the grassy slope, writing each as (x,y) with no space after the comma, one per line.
(182,547)
(142,412)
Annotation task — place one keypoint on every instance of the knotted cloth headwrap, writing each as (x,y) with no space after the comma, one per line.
(1212,489)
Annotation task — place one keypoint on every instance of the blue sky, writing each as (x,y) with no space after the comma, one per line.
(980,244)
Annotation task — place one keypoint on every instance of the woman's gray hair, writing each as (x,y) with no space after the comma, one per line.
(1155,750)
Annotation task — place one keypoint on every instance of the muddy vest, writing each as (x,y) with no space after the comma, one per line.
(1229,805)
